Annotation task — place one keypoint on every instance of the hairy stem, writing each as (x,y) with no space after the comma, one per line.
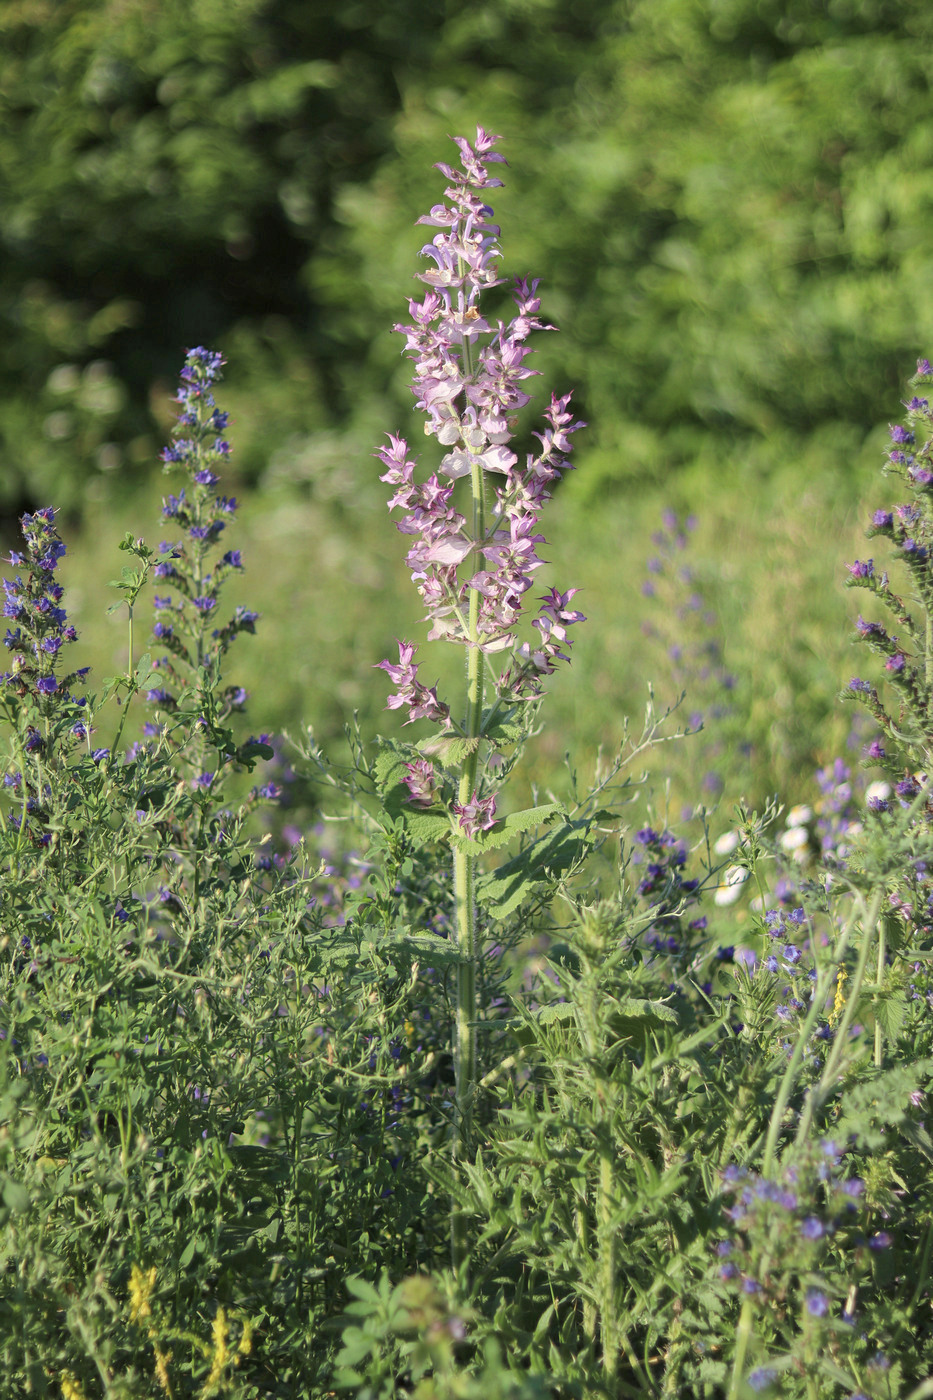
(465,1065)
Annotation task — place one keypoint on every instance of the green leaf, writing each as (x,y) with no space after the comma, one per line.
(544,862)
(869,1108)
(425,825)
(449,750)
(630,1015)
(509,826)
(15,1196)
(427,947)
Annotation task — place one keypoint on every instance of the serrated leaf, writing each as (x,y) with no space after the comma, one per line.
(429,947)
(504,731)
(882,1100)
(629,1014)
(448,750)
(641,1009)
(509,826)
(431,824)
(544,861)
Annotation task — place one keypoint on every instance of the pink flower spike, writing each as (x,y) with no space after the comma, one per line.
(419,779)
(479,814)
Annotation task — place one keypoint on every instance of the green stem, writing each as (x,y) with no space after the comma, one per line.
(608,1325)
(922,1271)
(824,982)
(743,1335)
(465,1063)
(821,1090)
(882,950)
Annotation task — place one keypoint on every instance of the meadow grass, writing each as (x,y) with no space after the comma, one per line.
(576,1086)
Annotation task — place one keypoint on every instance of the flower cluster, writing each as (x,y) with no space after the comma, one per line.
(668,896)
(41,627)
(785,1229)
(908,528)
(35,694)
(185,625)
(469,375)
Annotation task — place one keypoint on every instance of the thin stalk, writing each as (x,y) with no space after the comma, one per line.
(790,1074)
(608,1321)
(130,683)
(820,1091)
(922,1272)
(882,952)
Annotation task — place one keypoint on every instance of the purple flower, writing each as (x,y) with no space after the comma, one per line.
(469,379)
(862,568)
(420,780)
(46,685)
(479,814)
(817,1303)
(899,434)
(422,702)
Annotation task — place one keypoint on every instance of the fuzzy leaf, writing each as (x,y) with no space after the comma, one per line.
(541,863)
(429,948)
(449,750)
(629,1015)
(504,731)
(867,1109)
(431,824)
(510,826)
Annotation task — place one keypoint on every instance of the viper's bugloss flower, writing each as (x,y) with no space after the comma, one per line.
(862,568)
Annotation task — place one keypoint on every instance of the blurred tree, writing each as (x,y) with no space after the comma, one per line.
(728,201)
(166,166)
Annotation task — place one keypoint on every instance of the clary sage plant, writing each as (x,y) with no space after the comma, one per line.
(474,558)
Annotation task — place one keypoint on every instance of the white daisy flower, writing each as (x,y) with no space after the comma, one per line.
(730,888)
(727,843)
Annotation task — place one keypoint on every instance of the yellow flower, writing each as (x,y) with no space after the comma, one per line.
(162,1358)
(71,1389)
(840,1000)
(141,1286)
(221,1353)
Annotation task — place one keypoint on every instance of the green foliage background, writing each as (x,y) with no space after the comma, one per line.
(728,201)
